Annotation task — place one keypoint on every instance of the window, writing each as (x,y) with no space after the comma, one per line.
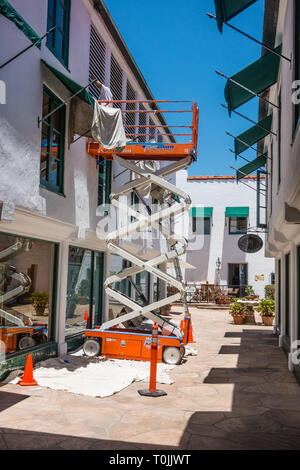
(96,61)
(116,82)
(130,117)
(201,225)
(142,281)
(104,181)
(279,140)
(52,144)
(117,264)
(58,40)
(297,55)
(84,289)
(237,225)
(27,292)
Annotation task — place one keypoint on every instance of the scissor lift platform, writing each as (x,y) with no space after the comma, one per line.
(156,141)
(149,138)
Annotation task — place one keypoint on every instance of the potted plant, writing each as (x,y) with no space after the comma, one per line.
(237,311)
(250,293)
(84,291)
(266,308)
(222,299)
(39,301)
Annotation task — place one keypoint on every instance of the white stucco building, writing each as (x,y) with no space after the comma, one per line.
(282,26)
(222,211)
(50,186)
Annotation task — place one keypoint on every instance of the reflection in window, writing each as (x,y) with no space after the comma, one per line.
(237,225)
(52,143)
(84,290)
(26,297)
(58,40)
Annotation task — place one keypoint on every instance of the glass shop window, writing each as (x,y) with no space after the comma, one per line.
(84,290)
(27,283)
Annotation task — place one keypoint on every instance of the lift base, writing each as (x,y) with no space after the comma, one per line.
(120,343)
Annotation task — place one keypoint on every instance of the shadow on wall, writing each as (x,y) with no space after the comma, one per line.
(199,259)
(231,254)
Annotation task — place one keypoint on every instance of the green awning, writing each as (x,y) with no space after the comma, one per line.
(72,86)
(201,212)
(257,77)
(250,167)
(253,135)
(227,9)
(7,10)
(237,212)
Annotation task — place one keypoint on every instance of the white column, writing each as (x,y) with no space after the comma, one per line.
(62,298)
(293,301)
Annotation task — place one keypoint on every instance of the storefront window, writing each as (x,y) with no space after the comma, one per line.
(84,290)
(26,292)
(117,264)
(143,284)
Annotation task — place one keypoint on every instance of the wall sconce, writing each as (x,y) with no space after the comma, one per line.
(218,265)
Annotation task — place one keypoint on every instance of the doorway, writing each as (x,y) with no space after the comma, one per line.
(238,277)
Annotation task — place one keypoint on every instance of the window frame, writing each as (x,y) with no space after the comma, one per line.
(64,58)
(238,231)
(53,103)
(206,226)
(104,189)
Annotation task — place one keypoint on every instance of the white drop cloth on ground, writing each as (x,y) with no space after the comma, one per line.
(95,377)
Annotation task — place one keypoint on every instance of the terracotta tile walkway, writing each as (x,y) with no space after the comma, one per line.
(236,394)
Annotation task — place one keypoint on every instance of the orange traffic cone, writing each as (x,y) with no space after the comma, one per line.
(27,378)
(190,336)
(86,317)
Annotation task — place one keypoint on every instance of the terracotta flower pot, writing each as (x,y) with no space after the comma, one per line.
(238,319)
(268,320)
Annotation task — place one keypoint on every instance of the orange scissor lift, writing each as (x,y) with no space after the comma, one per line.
(150,140)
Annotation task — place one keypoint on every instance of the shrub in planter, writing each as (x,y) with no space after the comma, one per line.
(39,301)
(266,308)
(84,291)
(238,313)
(270,291)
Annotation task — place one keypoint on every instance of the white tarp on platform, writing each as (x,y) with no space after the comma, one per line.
(95,377)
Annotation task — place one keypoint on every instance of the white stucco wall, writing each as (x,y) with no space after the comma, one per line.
(204,250)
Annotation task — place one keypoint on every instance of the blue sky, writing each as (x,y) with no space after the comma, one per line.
(178,48)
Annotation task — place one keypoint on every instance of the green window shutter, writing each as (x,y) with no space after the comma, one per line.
(253,135)
(250,167)
(201,212)
(257,77)
(237,212)
(227,9)
(7,10)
